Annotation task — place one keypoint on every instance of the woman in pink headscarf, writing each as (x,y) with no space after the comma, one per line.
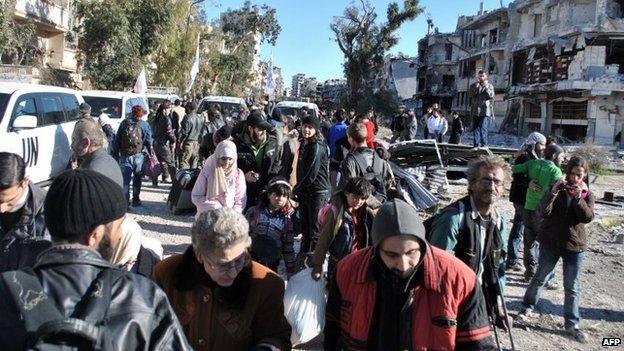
(220,183)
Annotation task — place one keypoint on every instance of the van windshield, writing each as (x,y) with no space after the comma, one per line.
(4,101)
(227,109)
(293,111)
(99,105)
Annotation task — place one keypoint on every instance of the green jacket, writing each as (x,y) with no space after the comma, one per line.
(545,173)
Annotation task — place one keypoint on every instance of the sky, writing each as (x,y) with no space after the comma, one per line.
(305,44)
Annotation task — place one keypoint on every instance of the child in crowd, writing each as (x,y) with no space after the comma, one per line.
(273,224)
(346,223)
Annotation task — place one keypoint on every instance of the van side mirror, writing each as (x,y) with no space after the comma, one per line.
(25,122)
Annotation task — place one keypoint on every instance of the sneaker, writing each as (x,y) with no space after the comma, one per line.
(136,203)
(577,335)
(552,285)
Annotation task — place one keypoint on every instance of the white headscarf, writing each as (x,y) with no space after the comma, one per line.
(127,250)
(221,178)
(532,139)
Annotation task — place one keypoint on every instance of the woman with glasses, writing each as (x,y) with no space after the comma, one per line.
(220,183)
(223,299)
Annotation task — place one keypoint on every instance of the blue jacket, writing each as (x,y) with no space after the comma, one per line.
(337,131)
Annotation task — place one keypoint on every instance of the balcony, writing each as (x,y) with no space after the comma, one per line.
(52,14)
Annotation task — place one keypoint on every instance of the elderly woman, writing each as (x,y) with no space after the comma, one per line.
(224,300)
(220,183)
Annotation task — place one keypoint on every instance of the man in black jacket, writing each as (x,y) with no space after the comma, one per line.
(164,141)
(189,137)
(258,154)
(84,211)
(23,233)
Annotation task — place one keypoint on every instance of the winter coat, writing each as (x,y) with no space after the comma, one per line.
(100,161)
(457,129)
(447,310)
(273,234)
(459,233)
(163,129)
(235,200)
(191,128)
(563,228)
(481,99)
(20,245)
(339,225)
(247,314)
(312,168)
(139,316)
(336,132)
(269,166)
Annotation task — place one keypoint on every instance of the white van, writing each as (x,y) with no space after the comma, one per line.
(293,108)
(229,104)
(36,122)
(116,104)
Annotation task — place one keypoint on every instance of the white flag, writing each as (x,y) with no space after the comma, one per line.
(194,68)
(140,86)
(270,80)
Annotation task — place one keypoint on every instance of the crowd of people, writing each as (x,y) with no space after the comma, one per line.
(79,271)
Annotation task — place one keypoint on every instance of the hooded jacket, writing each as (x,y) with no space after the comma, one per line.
(139,316)
(20,245)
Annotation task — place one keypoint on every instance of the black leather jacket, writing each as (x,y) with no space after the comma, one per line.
(139,316)
(191,128)
(20,246)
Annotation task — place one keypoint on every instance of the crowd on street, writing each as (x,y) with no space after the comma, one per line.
(78,271)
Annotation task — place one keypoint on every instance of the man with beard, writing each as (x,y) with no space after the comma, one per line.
(258,154)
(225,300)
(475,231)
(87,146)
(404,294)
(75,295)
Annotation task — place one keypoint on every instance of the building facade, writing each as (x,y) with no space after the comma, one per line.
(297,87)
(54,22)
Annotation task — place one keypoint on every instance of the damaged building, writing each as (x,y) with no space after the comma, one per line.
(483,44)
(437,68)
(567,68)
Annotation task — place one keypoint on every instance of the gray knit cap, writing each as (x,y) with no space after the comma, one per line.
(396,217)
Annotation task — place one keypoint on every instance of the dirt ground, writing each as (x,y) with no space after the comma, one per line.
(602,289)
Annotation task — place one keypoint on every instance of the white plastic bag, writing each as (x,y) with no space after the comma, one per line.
(304,306)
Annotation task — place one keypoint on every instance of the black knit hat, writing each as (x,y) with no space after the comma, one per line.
(313,121)
(396,217)
(79,200)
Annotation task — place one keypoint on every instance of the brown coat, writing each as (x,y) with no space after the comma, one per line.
(564,222)
(211,324)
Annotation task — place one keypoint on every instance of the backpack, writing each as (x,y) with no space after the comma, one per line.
(372,173)
(131,139)
(47,329)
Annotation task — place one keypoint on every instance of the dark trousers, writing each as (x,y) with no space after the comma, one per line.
(165,157)
(532,227)
(310,205)
(480,130)
(516,235)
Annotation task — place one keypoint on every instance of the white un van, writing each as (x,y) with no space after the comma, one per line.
(116,104)
(36,122)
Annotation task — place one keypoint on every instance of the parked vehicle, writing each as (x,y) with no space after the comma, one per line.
(229,104)
(36,122)
(153,98)
(293,108)
(116,104)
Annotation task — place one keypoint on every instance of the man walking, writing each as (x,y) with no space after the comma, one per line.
(77,298)
(164,141)
(189,137)
(87,142)
(404,294)
(481,96)
(475,231)
(133,136)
